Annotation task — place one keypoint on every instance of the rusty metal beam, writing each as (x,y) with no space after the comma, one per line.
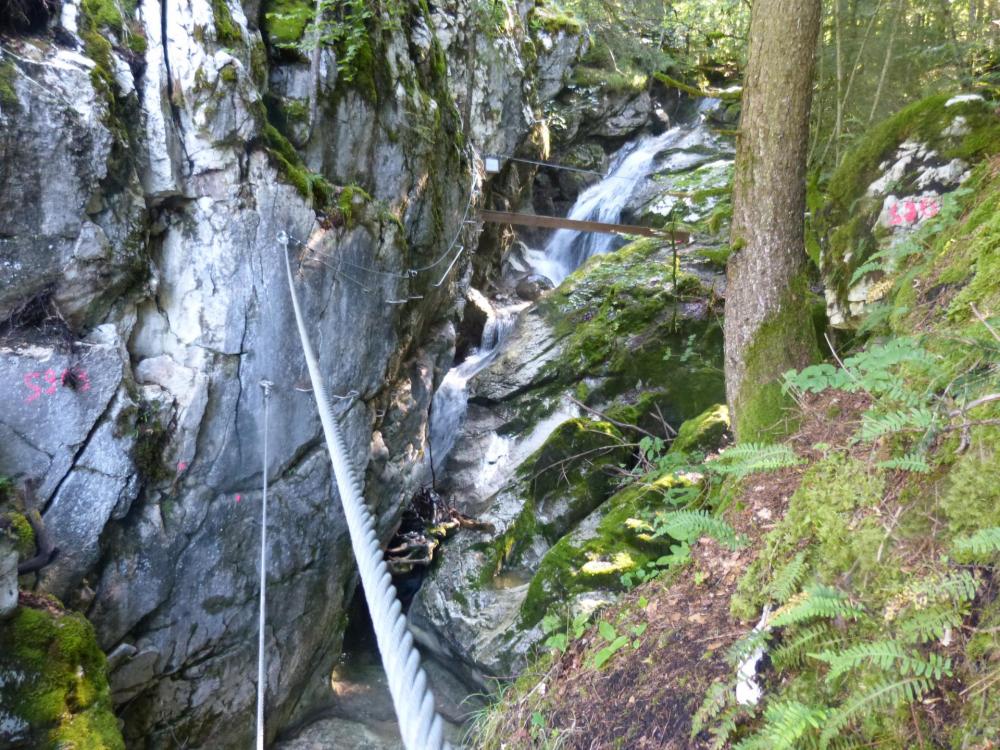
(554,222)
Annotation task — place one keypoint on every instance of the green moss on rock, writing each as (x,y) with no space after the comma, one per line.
(285,21)
(596,560)
(53,678)
(310,185)
(704,432)
(226,30)
(8,95)
(845,223)
(624,320)
(20,529)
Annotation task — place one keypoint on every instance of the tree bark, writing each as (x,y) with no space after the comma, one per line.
(767,322)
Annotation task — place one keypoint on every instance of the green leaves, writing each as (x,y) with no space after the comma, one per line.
(817,602)
(886,655)
(560,633)
(690,525)
(749,458)
(615,643)
(979,546)
(787,581)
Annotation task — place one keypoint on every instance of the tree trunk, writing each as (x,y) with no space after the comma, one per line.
(767,322)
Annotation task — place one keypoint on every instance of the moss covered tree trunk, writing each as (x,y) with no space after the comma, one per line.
(767,323)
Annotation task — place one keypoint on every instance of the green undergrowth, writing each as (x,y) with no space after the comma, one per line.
(880,566)
(53,682)
(845,224)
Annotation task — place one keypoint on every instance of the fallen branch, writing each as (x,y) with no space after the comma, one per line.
(615,422)
(974,403)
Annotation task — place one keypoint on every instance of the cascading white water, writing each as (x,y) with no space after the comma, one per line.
(603,201)
(451,398)
(674,150)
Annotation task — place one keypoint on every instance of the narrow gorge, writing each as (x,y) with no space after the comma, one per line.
(588,553)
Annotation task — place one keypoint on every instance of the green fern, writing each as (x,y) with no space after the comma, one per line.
(787,724)
(716,699)
(786,583)
(886,655)
(980,545)
(718,715)
(888,692)
(910,462)
(749,458)
(921,626)
(875,425)
(956,586)
(746,645)
(689,525)
(818,602)
(793,652)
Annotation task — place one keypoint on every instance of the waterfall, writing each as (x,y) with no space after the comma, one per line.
(603,201)
(674,150)
(451,398)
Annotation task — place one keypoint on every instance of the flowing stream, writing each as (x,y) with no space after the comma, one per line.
(359,683)
(674,150)
(451,398)
(630,168)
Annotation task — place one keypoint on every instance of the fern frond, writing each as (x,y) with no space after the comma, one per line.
(749,458)
(886,655)
(725,726)
(885,693)
(978,546)
(792,654)
(910,462)
(787,580)
(898,390)
(926,625)
(716,699)
(864,269)
(875,425)
(689,525)
(718,715)
(818,602)
(746,645)
(815,379)
(787,723)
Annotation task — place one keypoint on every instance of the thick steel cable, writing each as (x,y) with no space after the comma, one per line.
(419,723)
(262,618)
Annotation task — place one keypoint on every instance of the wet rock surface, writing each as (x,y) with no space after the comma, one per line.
(534,465)
(144,299)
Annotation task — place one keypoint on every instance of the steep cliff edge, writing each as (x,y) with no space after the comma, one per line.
(150,155)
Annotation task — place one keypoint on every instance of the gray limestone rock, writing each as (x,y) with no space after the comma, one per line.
(8,576)
(143,414)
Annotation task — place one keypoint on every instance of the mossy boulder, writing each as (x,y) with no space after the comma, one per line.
(890,183)
(704,432)
(285,21)
(569,476)
(53,683)
(23,536)
(630,322)
(612,542)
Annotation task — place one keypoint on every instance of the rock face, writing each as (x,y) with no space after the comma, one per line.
(548,425)
(893,181)
(146,179)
